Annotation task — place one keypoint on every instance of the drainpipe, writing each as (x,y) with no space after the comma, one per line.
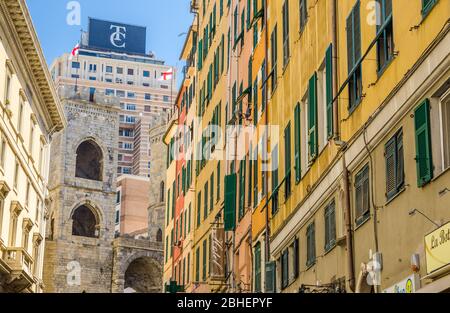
(334,42)
(348,227)
(266,113)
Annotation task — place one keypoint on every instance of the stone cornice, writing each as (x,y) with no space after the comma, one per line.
(19,20)
(4,189)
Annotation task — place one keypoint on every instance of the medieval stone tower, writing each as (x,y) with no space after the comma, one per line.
(157,182)
(79,247)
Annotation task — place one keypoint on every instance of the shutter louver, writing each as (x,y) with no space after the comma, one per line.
(230,202)
(423,144)
(329,90)
(312,117)
(270,277)
(297,143)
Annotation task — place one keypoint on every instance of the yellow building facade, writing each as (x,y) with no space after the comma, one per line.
(353,217)
(30,113)
(343,184)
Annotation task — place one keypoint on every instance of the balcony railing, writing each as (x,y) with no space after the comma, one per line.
(19,260)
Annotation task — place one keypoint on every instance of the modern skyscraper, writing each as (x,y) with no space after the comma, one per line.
(112,60)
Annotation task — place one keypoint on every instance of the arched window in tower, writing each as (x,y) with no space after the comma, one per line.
(159,235)
(89,161)
(84,223)
(162,192)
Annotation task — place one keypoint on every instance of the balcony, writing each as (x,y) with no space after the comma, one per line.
(4,267)
(20,265)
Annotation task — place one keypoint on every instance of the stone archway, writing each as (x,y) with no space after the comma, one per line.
(143,276)
(138,266)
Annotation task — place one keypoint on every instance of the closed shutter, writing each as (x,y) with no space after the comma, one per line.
(230,202)
(258,267)
(312,117)
(205,203)
(297,138)
(423,144)
(211,196)
(287,160)
(400,162)
(270,277)
(358,197)
(255,179)
(329,89)
(199,54)
(350,55)
(218,181)
(242,188)
(205,256)
(285,269)
(391,182)
(357,31)
(255,102)
(296,252)
(199,208)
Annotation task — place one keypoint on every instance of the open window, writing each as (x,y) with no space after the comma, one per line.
(89,164)
(84,223)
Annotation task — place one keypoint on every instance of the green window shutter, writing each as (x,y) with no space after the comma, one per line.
(329,88)
(230,202)
(287,161)
(297,138)
(173,199)
(270,277)
(423,144)
(427,5)
(204,259)
(197,265)
(205,203)
(183,179)
(255,102)
(167,208)
(199,54)
(189,218)
(199,208)
(389,156)
(257,267)
(255,178)
(241,188)
(218,181)
(211,196)
(312,117)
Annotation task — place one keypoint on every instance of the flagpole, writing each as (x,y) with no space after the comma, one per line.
(78,60)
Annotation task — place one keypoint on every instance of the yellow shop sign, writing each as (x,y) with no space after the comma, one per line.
(437,248)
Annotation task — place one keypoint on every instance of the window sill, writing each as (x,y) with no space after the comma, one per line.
(310,265)
(285,66)
(381,71)
(353,108)
(391,199)
(362,222)
(331,248)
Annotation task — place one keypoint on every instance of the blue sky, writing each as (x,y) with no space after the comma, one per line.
(164,19)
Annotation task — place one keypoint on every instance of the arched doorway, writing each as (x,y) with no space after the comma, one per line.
(84,223)
(143,275)
(89,163)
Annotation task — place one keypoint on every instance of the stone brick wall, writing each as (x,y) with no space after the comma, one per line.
(157,175)
(72,263)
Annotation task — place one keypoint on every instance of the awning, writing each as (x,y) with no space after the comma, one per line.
(437,286)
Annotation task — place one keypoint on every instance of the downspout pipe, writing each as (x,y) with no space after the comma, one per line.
(334,42)
(350,282)
(266,113)
(348,228)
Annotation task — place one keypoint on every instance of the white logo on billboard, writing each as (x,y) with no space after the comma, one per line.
(118,36)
